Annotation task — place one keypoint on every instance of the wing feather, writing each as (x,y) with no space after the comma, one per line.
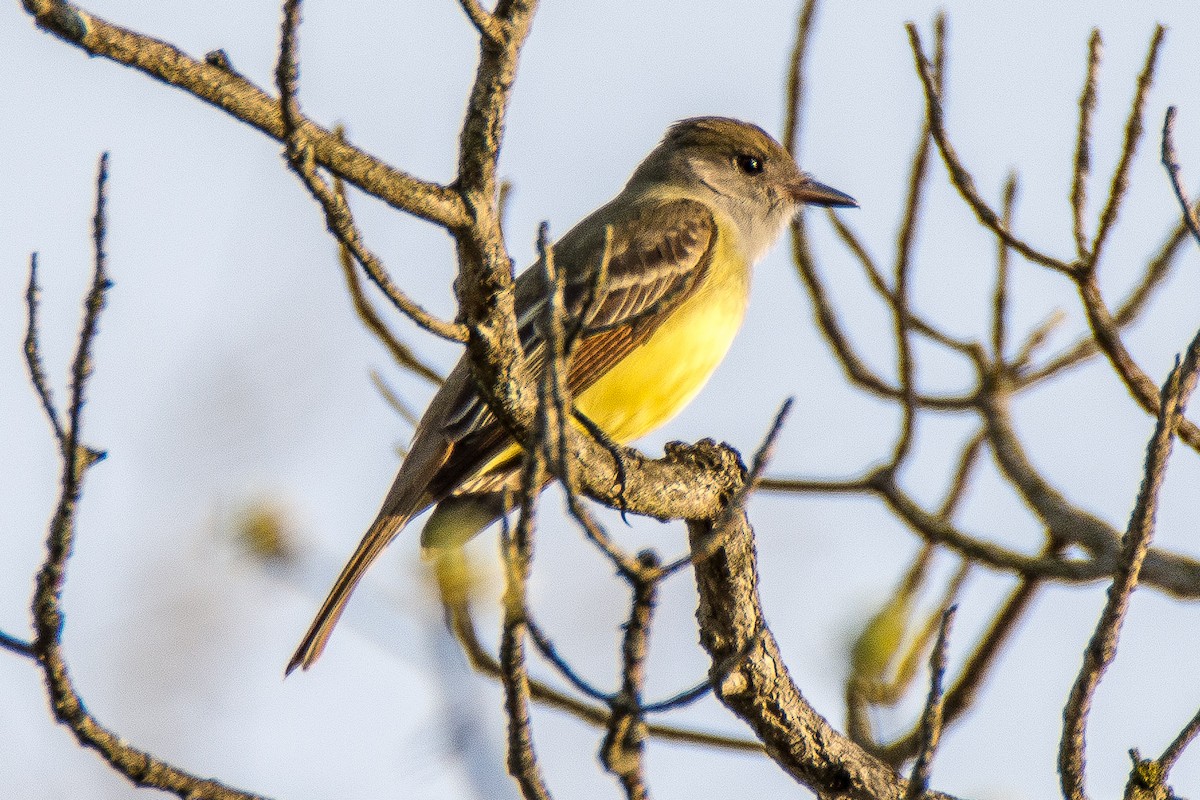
(660,253)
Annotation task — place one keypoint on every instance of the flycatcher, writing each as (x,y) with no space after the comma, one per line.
(698,212)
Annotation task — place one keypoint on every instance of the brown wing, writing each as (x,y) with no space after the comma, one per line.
(660,254)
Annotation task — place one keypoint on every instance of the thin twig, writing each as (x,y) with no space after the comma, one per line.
(905,241)
(962,474)
(1158,268)
(1179,744)
(139,766)
(1102,648)
(918,325)
(1178,577)
(1083,142)
(830,325)
(907,669)
(556,407)
(875,649)
(1000,295)
(931,718)
(1108,337)
(959,175)
(33,356)
(551,654)
(338,218)
(81,366)
(827,320)
(622,750)
(516,550)
(859,485)
(961,696)
(1034,341)
(15,645)
(1171,163)
(794,103)
(938,530)
(401,353)
(233,94)
(394,400)
(716,678)
(486,23)
(458,614)
(1133,134)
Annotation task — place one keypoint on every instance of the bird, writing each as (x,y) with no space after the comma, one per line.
(682,237)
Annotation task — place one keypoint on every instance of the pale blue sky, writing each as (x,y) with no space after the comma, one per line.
(230,368)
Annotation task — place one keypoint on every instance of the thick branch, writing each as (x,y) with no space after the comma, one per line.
(759,689)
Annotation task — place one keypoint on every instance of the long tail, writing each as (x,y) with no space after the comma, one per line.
(380,534)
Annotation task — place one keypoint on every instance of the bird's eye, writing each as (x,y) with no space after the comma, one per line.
(751,165)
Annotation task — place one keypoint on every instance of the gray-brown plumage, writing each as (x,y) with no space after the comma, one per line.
(694,217)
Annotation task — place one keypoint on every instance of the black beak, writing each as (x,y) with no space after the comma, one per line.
(809,192)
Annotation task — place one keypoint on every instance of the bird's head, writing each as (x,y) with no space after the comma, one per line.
(739,169)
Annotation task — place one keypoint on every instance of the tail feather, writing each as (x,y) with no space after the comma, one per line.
(376,539)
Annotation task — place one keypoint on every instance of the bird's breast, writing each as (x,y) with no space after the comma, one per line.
(654,382)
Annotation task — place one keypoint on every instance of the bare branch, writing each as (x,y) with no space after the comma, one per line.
(759,690)
(1179,744)
(832,330)
(701,549)
(861,485)
(1133,134)
(401,353)
(907,669)
(339,220)
(962,474)
(33,356)
(938,530)
(550,653)
(959,175)
(244,101)
(459,618)
(1171,163)
(961,695)
(1108,338)
(486,23)
(1102,648)
(1000,295)
(479,143)
(931,718)
(15,645)
(1157,269)
(1083,143)
(397,404)
(1034,341)
(623,746)
(1172,573)
(905,240)
(918,324)
(702,688)
(516,549)
(794,103)
(826,317)
(139,766)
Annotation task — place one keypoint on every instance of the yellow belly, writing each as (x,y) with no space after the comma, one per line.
(657,380)
(654,382)
(649,387)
